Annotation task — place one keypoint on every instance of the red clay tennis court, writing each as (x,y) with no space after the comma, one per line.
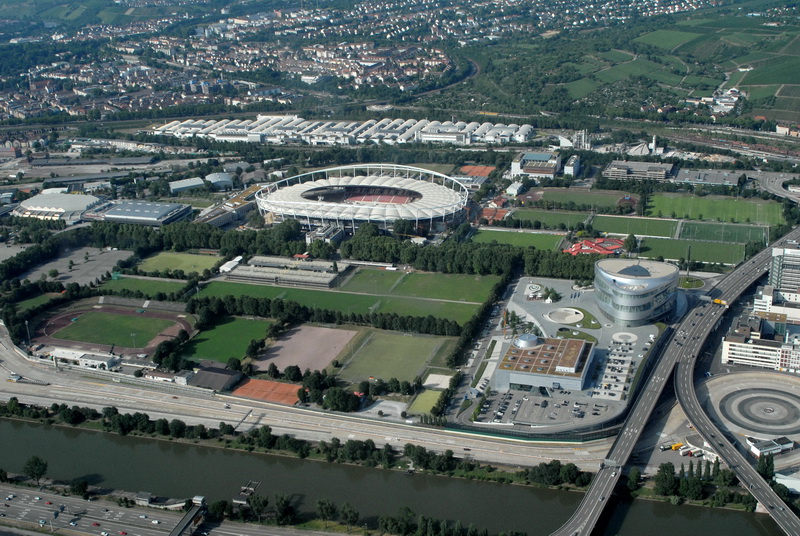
(269,391)
(477,171)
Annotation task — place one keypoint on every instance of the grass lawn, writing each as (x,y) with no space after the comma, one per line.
(105,328)
(701,251)
(459,287)
(666,39)
(637,226)
(712,207)
(227,339)
(36,301)
(424,402)
(387,355)
(347,302)
(438,168)
(596,198)
(690,282)
(537,240)
(167,260)
(148,287)
(722,232)
(372,281)
(550,218)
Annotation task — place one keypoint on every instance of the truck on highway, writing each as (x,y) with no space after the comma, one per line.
(676,446)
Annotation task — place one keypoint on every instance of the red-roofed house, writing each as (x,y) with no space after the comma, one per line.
(602,246)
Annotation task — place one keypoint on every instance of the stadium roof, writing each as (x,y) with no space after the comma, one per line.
(287,197)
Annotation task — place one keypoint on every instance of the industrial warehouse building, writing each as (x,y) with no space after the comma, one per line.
(147,213)
(532,362)
(635,292)
(283,129)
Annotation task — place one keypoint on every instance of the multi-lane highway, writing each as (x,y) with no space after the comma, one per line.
(683,347)
(729,290)
(30,508)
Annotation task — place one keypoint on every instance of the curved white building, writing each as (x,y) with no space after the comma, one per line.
(350,195)
(56,206)
(634,292)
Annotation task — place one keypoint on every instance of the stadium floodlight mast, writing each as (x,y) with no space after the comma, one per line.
(133,338)
(28,331)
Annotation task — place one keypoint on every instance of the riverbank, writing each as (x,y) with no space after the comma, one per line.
(174,469)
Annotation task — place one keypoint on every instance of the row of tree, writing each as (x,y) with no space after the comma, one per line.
(698,483)
(554,473)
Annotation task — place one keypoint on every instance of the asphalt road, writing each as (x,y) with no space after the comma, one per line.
(89,517)
(24,512)
(71,387)
(730,289)
(683,348)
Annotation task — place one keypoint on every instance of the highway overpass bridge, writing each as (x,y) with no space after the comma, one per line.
(681,350)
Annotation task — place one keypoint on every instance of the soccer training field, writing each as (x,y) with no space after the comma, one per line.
(724,232)
(519,239)
(388,355)
(104,328)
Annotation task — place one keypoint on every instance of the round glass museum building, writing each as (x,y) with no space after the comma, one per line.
(633,292)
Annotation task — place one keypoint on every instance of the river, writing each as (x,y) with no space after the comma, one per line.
(182,470)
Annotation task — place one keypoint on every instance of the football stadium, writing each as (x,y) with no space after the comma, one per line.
(348,196)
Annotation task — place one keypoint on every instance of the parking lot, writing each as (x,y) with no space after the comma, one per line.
(535,408)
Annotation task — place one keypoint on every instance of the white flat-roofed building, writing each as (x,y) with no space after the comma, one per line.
(620,169)
(709,177)
(293,129)
(573,166)
(146,213)
(83,359)
(514,189)
(536,165)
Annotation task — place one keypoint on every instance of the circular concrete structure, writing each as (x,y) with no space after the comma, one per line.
(763,405)
(634,292)
(378,193)
(565,315)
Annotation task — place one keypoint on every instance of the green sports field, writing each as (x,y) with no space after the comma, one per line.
(372,281)
(388,355)
(550,218)
(701,251)
(734,210)
(36,301)
(458,287)
(520,239)
(597,198)
(148,287)
(167,260)
(424,402)
(226,339)
(722,232)
(636,226)
(348,302)
(104,328)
